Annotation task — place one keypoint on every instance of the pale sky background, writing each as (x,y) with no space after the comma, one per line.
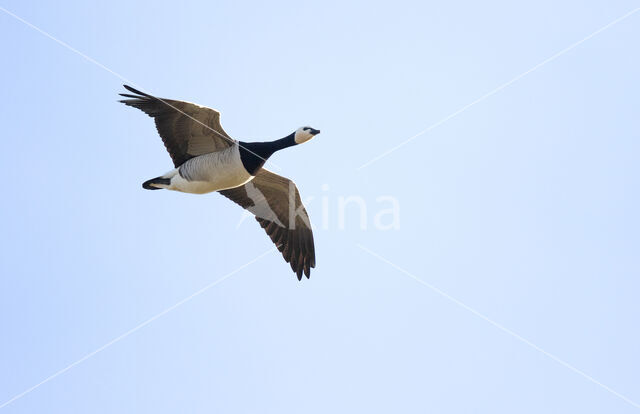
(524,208)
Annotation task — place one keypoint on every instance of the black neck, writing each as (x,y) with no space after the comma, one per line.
(255,154)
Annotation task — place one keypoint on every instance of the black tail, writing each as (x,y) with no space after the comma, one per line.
(158,180)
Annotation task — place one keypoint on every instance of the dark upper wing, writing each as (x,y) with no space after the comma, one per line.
(186,129)
(276,203)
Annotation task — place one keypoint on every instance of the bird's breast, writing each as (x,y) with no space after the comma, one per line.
(212,172)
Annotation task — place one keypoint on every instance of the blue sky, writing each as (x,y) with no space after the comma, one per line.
(522,208)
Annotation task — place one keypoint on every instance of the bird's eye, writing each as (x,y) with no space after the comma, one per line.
(306,128)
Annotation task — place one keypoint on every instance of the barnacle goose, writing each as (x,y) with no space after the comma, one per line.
(207,159)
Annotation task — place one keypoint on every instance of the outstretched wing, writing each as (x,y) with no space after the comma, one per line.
(187,129)
(276,203)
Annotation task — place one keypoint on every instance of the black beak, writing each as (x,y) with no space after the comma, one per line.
(314,131)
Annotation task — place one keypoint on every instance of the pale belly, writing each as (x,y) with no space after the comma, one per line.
(202,187)
(210,172)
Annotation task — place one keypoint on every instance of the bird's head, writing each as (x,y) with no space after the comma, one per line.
(304,134)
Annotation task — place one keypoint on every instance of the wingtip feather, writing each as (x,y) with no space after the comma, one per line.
(130,89)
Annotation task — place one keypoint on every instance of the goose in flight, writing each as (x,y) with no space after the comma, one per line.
(207,159)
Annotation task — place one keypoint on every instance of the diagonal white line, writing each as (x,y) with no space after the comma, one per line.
(498,89)
(116,74)
(132,330)
(499,326)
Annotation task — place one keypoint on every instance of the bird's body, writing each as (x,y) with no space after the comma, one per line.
(207,159)
(209,172)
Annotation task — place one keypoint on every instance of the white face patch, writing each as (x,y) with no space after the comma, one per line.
(304,134)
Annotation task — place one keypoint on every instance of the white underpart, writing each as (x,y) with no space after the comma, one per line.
(209,172)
